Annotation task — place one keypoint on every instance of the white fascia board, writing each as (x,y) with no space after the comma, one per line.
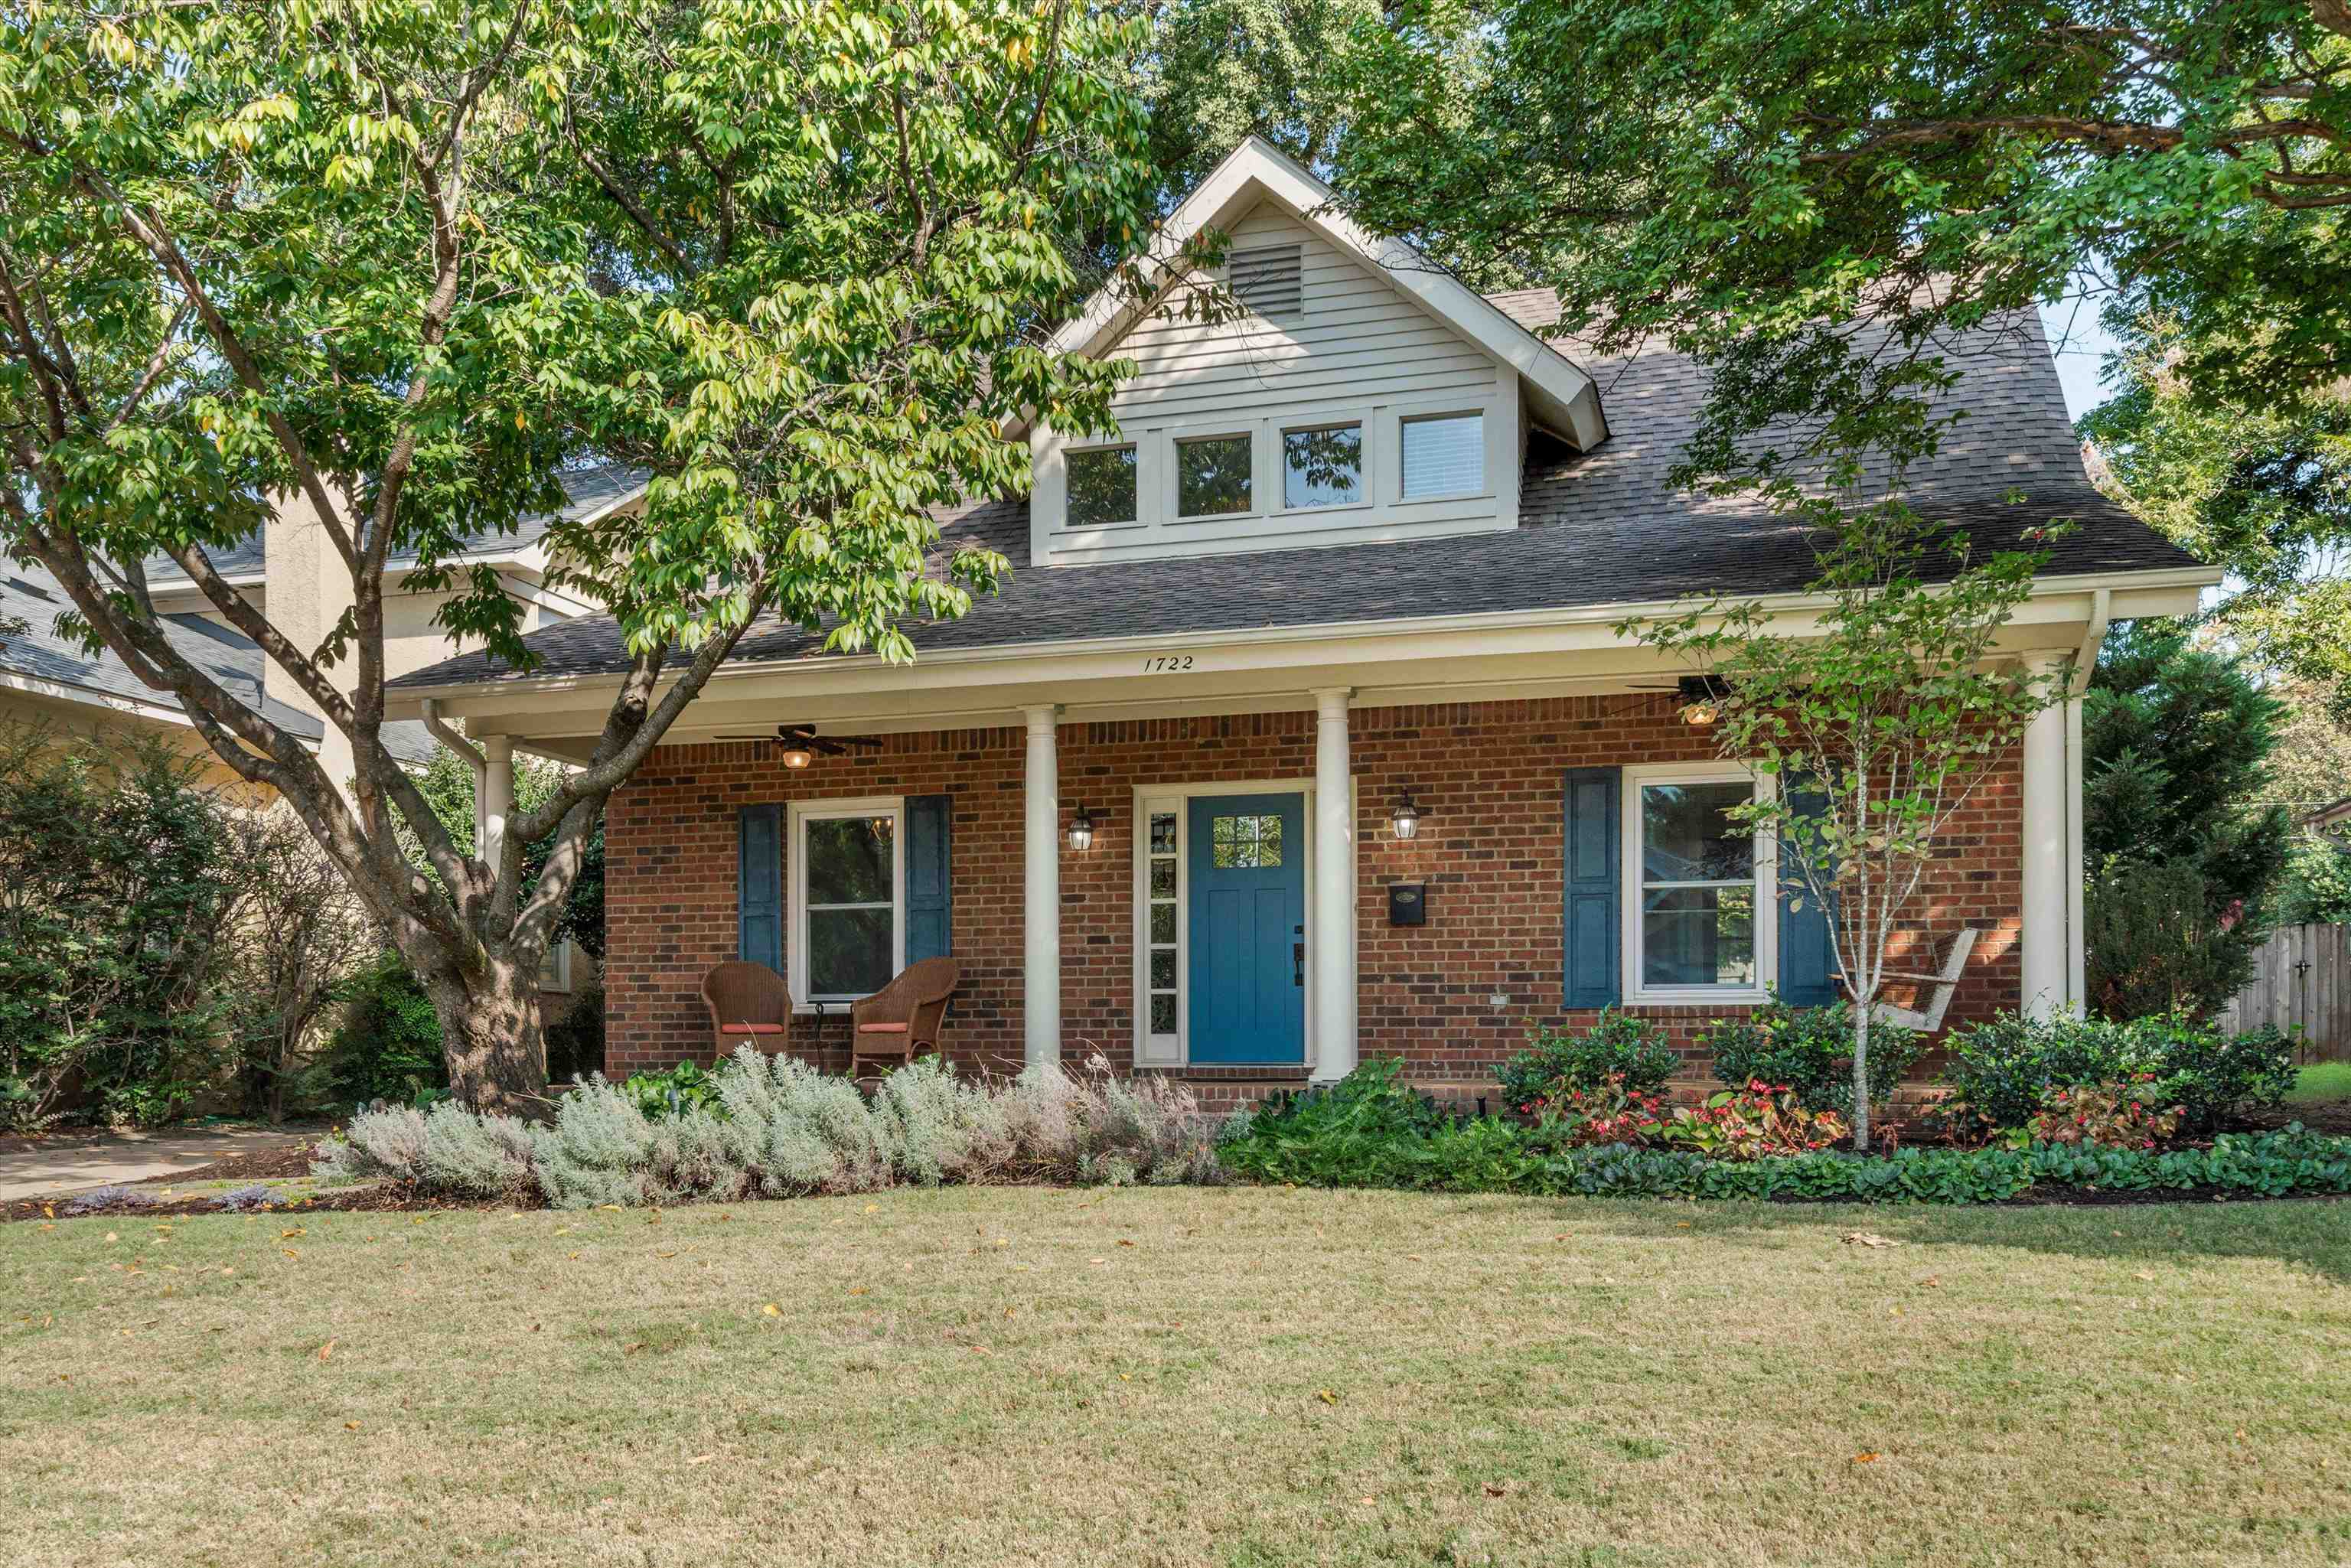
(1564,397)
(2058,603)
(93,696)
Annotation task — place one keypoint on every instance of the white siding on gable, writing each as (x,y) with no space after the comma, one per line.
(1357,350)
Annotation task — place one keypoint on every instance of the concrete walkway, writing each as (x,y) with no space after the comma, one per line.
(57,1163)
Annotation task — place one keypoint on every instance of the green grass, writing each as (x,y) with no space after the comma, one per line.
(1240,1376)
(2321,1084)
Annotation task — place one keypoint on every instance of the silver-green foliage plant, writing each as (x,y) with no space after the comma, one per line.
(936,1128)
(1093,1127)
(782,1129)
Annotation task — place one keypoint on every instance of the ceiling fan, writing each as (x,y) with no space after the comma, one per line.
(801,743)
(1700,696)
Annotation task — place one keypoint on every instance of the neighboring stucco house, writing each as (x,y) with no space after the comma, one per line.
(1355,556)
(53,681)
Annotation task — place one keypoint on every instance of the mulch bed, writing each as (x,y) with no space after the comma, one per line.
(256,1164)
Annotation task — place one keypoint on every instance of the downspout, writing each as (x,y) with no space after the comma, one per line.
(439,729)
(2085,661)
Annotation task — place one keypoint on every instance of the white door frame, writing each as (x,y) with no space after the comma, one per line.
(1153,1050)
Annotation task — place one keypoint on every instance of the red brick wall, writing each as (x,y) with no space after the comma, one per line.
(1487,775)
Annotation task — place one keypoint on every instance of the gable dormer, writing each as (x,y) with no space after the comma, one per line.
(1359,394)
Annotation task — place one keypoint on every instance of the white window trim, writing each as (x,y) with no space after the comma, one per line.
(801,813)
(1767,921)
(1135,521)
(1176,442)
(1366,495)
(1485,486)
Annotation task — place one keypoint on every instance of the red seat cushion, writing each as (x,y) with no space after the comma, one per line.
(881,1029)
(750,1029)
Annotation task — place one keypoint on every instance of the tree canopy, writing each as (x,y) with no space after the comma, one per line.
(1753,183)
(394,266)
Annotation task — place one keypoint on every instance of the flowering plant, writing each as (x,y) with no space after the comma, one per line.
(2120,1113)
(1613,1110)
(1751,1123)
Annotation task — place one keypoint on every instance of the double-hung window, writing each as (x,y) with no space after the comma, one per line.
(1696,920)
(849,897)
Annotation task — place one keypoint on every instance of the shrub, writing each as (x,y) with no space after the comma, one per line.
(1556,1062)
(1809,1050)
(2003,1072)
(779,1128)
(672,1090)
(387,1044)
(112,914)
(242,1199)
(2159,941)
(1093,1127)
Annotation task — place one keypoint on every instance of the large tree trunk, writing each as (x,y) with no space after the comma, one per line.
(492,1038)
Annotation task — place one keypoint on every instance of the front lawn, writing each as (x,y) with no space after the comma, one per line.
(1232,1376)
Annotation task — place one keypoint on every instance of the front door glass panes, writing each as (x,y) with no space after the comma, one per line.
(1322,467)
(1243,842)
(1212,477)
(1101,487)
(1161,968)
(852,917)
(1697,886)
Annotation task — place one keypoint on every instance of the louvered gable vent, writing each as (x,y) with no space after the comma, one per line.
(1267,279)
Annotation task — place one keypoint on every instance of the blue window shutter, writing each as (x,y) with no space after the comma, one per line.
(1593,869)
(759,886)
(1807,960)
(929,879)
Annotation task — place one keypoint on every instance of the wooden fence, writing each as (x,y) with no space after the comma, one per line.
(2302,981)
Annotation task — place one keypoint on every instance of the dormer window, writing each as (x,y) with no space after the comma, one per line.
(1101,487)
(1270,279)
(1322,467)
(1444,455)
(1213,476)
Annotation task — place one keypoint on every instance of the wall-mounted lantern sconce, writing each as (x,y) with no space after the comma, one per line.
(1405,818)
(1702,698)
(1082,832)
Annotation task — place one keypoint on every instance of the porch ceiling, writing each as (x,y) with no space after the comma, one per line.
(1459,659)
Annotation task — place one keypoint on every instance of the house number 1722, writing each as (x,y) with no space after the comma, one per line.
(1166,664)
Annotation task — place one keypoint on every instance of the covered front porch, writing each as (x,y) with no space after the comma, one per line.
(1185,855)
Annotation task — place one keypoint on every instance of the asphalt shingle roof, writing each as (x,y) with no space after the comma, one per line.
(1595,528)
(35,598)
(589,488)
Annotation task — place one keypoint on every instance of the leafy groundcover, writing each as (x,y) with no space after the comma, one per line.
(1371,1132)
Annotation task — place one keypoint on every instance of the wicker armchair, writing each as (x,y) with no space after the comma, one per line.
(904,1016)
(749,1004)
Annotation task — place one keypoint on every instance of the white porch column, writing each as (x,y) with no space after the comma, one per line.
(1335,892)
(2043,951)
(496,804)
(1041,902)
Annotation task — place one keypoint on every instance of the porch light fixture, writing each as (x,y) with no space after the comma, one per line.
(1701,698)
(1082,832)
(1405,818)
(797,757)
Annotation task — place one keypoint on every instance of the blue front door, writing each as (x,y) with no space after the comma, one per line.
(1247,875)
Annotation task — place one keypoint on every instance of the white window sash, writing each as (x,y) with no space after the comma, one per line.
(804,812)
(1637,885)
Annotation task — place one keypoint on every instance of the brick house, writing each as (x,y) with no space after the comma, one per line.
(1301,731)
